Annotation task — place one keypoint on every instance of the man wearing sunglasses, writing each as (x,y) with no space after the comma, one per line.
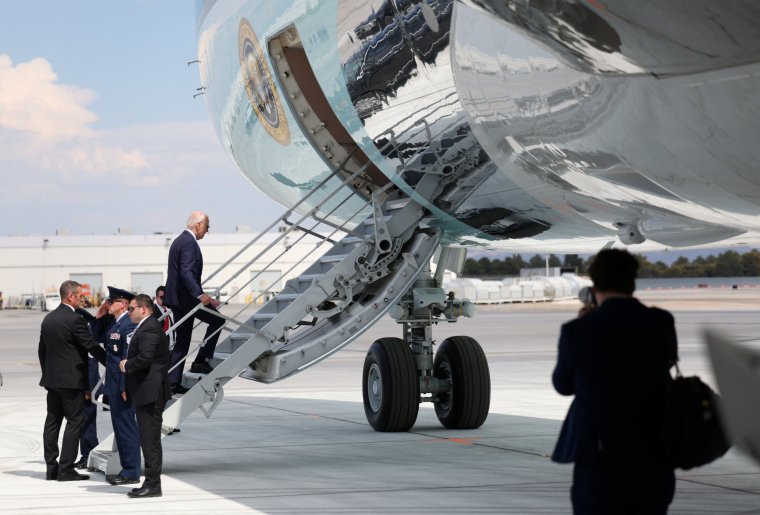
(147,379)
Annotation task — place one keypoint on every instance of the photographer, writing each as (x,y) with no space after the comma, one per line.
(615,359)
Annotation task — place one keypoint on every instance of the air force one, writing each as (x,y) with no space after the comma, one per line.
(419,128)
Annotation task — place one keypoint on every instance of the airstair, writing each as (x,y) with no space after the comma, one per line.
(355,282)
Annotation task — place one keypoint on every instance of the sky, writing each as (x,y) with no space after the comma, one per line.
(99,131)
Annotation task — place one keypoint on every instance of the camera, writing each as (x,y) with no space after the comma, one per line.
(587,297)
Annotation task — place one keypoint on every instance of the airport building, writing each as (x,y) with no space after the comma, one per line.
(32,266)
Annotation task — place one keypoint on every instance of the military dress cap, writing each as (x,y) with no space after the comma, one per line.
(117,293)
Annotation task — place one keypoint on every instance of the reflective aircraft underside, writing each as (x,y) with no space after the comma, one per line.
(553,126)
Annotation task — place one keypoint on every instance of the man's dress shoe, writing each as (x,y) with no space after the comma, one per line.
(118,479)
(178,389)
(72,476)
(145,491)
(81,464)
(201,368)
(51,476)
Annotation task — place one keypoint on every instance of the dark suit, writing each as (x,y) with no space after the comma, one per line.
(147,384)
(616,362)
(65,340)
(183,287)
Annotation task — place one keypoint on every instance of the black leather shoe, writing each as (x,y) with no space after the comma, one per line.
(201,368)
(81,464)
(175,430)
(72,476)
(51,476)
(118,479)
(178,389)
(146,492)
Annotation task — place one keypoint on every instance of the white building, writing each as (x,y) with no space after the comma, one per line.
(39,264)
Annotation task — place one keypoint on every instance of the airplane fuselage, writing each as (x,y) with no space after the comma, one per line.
(555,130)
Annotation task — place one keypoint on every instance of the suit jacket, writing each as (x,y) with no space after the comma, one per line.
(65,341)
(616,361)
(148,364)
(183,278)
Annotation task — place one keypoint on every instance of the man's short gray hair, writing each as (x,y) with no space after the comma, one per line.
(68,287)
(195,217)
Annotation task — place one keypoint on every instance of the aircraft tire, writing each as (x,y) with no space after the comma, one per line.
(461,361)
(390,386)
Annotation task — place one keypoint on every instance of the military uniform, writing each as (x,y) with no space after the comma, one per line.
(122,412)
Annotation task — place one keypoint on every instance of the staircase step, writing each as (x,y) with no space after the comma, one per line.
(99,459)
(240,336)
(190,379)
(218,358)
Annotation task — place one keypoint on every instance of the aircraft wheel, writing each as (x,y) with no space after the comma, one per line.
(462,363)
(390,386)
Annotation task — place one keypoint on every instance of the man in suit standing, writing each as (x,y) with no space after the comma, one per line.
(183,293)
(616,360)
(65,340)
(147,381)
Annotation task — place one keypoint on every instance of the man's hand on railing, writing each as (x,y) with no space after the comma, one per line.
(206,299)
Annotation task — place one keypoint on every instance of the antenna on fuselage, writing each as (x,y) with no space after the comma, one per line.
(201,91)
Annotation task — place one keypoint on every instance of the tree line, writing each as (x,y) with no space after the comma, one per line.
(725,264)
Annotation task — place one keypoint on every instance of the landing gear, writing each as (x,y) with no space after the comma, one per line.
(461,362)
(401,373)
(390,386)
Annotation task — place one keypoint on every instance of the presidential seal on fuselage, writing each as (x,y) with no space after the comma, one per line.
(260,85)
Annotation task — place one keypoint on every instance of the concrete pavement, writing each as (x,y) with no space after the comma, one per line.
(303,445)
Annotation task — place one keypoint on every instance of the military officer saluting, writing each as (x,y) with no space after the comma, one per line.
(122,411)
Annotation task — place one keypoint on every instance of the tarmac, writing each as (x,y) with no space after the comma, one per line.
(303,445)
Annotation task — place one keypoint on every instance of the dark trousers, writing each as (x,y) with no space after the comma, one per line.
(183,335)
(63,403)
(88,439)
(624,489)
(126,435)
(149,418)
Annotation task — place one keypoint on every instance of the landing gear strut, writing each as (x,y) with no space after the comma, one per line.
(401,373)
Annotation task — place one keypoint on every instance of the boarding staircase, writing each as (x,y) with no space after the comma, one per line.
(339,296)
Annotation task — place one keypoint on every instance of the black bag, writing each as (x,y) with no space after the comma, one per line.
(692,432)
